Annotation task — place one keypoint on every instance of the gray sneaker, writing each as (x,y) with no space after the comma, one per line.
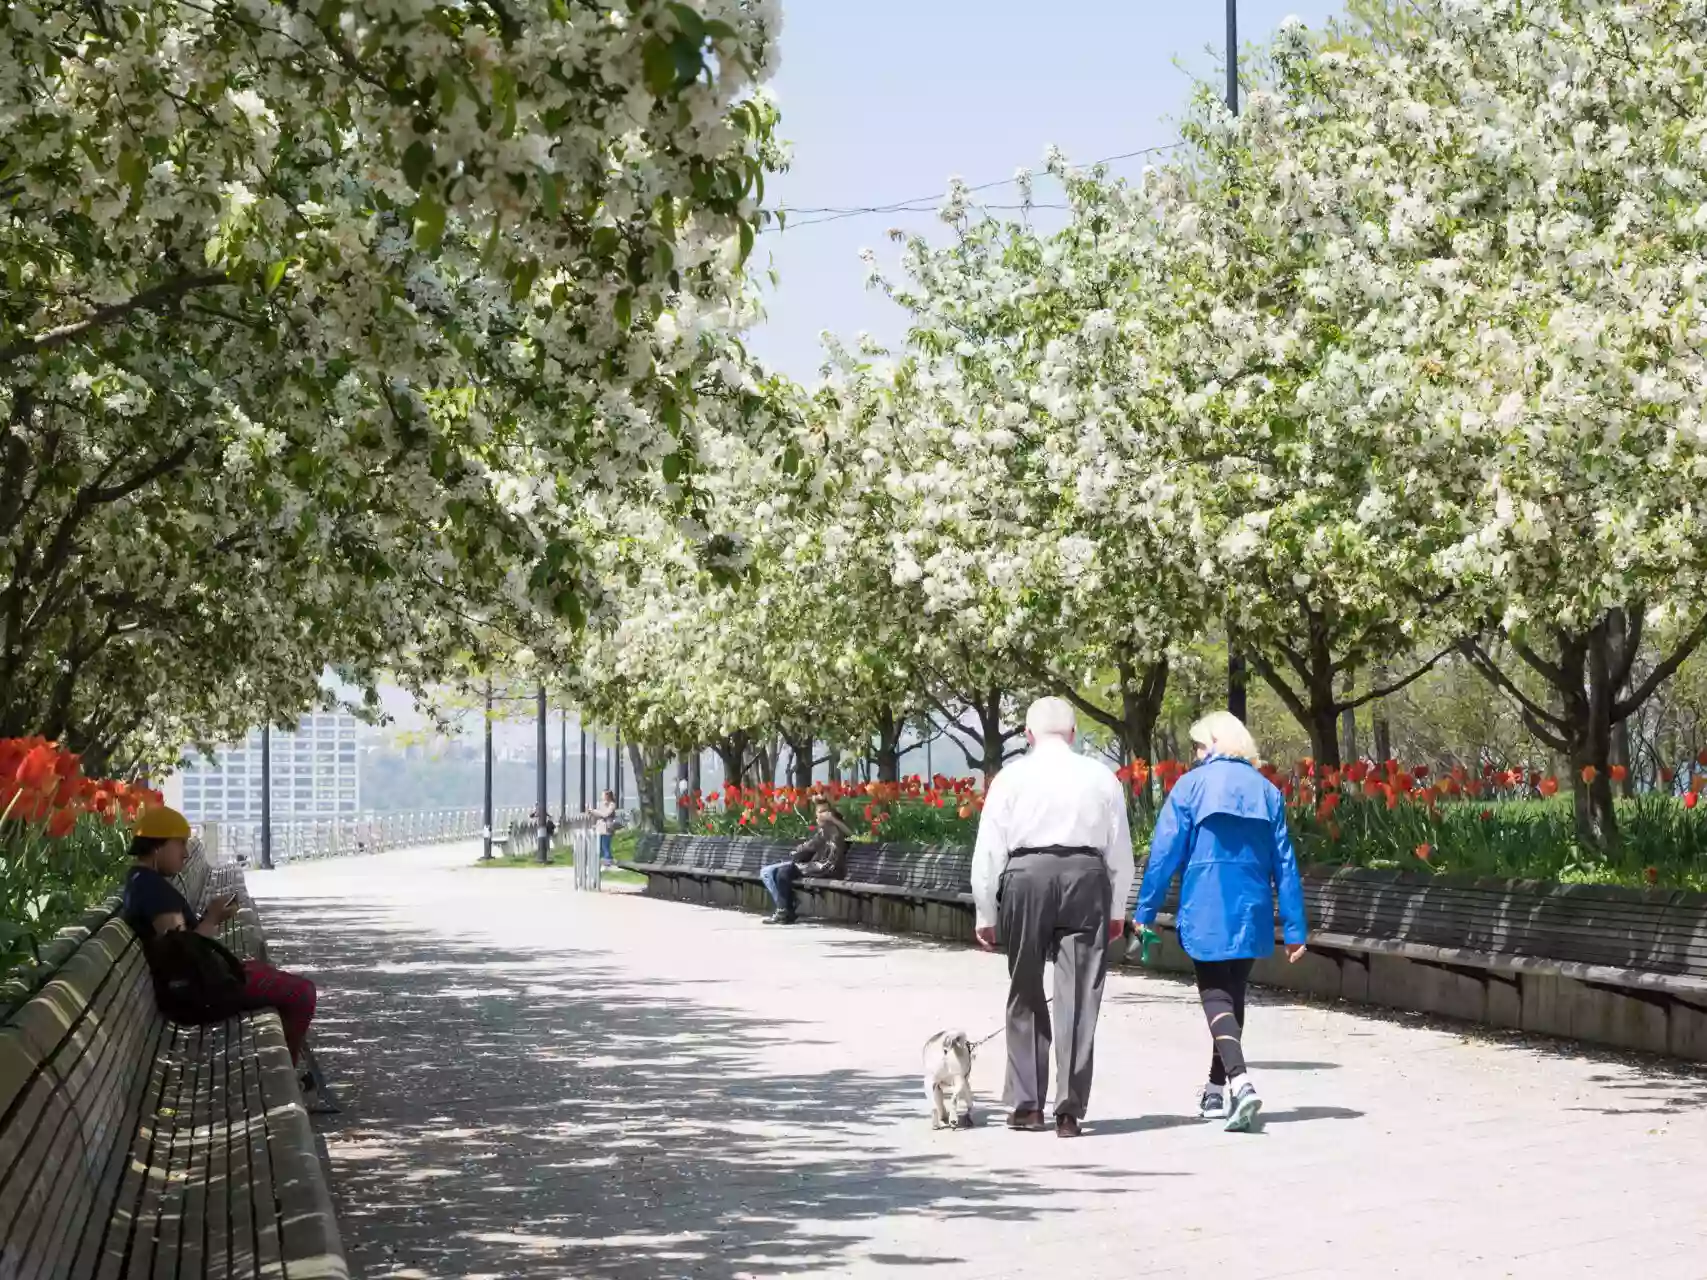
(1213,1104)
(1242,1110)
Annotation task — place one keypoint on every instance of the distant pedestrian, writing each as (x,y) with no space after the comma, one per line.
(1224,827)
(1050,874)
(604,824)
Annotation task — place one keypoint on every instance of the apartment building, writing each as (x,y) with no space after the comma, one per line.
(316,774)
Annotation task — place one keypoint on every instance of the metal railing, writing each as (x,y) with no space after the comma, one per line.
(578,833)
(339,837)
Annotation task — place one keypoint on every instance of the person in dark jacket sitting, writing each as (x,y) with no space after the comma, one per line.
(820,857)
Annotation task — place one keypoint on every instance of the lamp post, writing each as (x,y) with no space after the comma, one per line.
(486,834)
(1238,677)
(266,797)
(543,811)
(563,766)
(583,768)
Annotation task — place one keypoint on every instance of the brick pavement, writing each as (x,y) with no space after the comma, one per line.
(539,1083)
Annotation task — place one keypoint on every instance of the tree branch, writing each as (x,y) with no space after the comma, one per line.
(159,295)
(1388,690)
(1491,671)
(1623,709)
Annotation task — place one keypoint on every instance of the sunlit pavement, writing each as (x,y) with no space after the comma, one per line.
(537,1082)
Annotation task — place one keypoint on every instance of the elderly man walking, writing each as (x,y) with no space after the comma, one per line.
(1050,875)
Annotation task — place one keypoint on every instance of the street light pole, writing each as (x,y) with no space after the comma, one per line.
(544,809)
(1238,676)
(1233,56)
(486,834)
(266,797)
(583,768)
(563,766)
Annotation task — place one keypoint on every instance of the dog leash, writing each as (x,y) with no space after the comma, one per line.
(977,1045)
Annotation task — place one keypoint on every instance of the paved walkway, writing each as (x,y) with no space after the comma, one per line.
(539,1083)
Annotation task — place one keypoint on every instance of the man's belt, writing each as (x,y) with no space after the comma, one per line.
(1056,851)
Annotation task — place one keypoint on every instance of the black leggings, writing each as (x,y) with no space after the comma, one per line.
(1221,987)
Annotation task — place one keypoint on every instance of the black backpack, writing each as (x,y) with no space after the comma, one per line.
(196,980)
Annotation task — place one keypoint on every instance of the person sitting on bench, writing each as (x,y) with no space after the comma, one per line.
(819,857)
(153,906)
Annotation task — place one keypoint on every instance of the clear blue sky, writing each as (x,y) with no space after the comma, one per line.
(884,100)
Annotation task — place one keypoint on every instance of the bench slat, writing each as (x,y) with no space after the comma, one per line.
(142,1089)
(269,1260)
(308,1229)
(155,1142)
(99,1050)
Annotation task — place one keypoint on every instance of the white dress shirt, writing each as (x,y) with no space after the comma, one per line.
(1051,796)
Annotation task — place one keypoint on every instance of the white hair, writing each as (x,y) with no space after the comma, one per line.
(1051,718)
(1224,734)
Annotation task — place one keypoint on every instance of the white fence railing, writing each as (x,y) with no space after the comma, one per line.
(297,839)
(577,833)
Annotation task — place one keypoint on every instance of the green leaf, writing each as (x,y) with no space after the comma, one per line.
(551,193)
(429,223)
(624,308)
(673,468)
(660,66)
(746,241)
(416,161)
(692,24)
(275,275)
(329,13)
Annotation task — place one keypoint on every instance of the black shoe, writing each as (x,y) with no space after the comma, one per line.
(1027,1121)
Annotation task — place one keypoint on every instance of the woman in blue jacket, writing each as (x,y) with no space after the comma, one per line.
(1224,827)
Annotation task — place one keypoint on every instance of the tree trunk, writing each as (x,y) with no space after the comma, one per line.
(684,788)
(732,752)
(888,747)
(800,763)
(648,786)
(835,764)
(1382,728)
(1349,724)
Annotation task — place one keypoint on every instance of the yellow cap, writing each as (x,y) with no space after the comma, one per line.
(162,824)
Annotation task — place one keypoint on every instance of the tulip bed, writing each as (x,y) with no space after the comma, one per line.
(62,842)
(1505,824)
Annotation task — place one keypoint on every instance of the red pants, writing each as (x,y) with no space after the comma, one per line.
(292,996)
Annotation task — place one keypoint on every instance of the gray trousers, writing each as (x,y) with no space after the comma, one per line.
(1054,907)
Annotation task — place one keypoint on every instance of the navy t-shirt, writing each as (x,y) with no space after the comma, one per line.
(148,894)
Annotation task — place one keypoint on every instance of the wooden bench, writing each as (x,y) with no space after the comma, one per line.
(130,1147)
(903,888)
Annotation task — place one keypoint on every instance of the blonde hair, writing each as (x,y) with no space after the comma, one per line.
(1224,734)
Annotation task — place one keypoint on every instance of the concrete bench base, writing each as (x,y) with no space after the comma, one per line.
(1652,1021)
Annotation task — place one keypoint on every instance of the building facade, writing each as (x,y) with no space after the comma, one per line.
(316,774)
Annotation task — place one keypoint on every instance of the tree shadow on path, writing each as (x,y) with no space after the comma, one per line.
(517,1114)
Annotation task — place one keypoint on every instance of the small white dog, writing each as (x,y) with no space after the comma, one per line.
(948,1080)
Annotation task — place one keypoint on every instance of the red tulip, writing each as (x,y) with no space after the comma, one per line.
(1690,799)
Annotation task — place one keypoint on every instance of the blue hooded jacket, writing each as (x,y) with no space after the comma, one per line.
(1224,826)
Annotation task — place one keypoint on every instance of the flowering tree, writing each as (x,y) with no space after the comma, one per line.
(1557,168)
(345,309)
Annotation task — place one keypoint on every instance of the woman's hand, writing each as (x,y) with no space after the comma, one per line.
(1295,952)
